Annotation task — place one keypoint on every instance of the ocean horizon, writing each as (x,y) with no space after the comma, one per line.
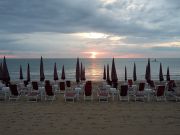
(94,67)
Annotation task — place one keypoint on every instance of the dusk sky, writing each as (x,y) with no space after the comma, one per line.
(90,28)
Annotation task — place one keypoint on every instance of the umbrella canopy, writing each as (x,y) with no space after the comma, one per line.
(108,76)
(168,75)
(81,72)
(77,71)
(134,72)
(104,74)
(1,71)
(55,72)
(148,71)
(84,76)
(28,73)
(113,72)
(161,78)
(63,77)
(125,74)
(5,73)
(42,77)
(20,73)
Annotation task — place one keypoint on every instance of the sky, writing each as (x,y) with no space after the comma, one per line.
(90,28)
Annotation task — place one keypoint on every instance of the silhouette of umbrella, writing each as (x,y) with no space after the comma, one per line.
(84,76)
(1,71)
(113,72)
(161,78)
(28,73)
(77,71)
(5,74)
(148,71)
(42,77)
(55,72)
(168,75)
(20,73)
(104,74)
(81,72)
(63,77)
(108,77)
(125,74)
(134,72)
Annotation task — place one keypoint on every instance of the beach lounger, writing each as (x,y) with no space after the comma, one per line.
(88,94)
(103,95)
(68,84)
(49,94)
(123,94)
(14,94)
(34,86)
(139,94)
(69,95)
(130,82)
(160,93)
(62,88)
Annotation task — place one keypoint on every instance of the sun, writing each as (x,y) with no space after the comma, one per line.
(93,55)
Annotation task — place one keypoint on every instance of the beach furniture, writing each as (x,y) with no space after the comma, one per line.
(34,85)
(32,96)
(103,95)
(113,92)
(88,94)
(14,94)
(49,94)
(68,84)
(62,87)
(123,93)
(160,93)
(69,95)
(47,82)
(130,82)
(140,94)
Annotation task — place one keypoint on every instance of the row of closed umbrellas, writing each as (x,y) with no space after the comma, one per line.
(114,77)
(5,77)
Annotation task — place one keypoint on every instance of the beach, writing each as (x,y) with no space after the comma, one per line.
(114,117)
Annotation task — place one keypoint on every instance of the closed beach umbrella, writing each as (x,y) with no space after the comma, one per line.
(113,72)
(134,72)
(55,72)
(77,71)
(63,77)
(148,71)
(28,73)
(161,78)
(125,74)
(81,72)
(5,74)
(42,77)
(104,74)
(168,75)
(108,77)
(84,74)
(1,71)
(20,73)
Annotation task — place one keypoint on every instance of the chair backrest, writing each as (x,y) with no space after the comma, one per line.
(35,85)
(25,83)
(152,84)
(124,90)
(62,86)
(13,89)
(141,86)
(47,82)
(171,84)
(49,90)
(68,83)
(160,90)
(130,82)
(88,88)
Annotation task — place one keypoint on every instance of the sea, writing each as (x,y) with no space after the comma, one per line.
(94,67)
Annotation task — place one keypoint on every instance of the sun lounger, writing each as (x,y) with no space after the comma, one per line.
(88,94)
(14,94)
(123,94)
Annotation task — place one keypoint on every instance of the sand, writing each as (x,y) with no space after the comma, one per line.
(89,118)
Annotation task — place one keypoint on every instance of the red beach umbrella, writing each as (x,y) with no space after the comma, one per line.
(42,77)
(84,74)
(81,72)
(28,73)
(104,74)
(1,72)
(168,75)
(55,72)
(20,73)
(5,74)
(125,74)
(63,77)
(134,72)
(113,72)
(148,71)
(108,77)
(161,78)
(77,71)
